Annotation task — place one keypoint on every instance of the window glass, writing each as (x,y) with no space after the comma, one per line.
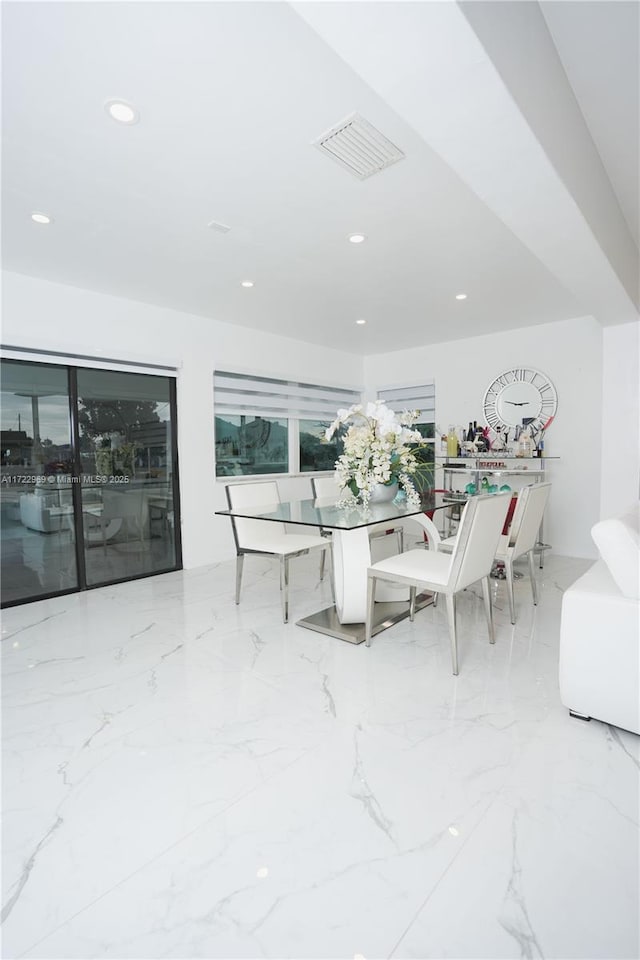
(247,444)
(37,539)
(315,452)
(425,474)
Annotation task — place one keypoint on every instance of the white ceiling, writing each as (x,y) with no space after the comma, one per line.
(231,96)
(598,47)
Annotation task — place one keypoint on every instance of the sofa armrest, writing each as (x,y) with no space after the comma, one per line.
(618,541)
(600,650)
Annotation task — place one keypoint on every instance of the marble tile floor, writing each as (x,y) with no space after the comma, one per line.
(187,778)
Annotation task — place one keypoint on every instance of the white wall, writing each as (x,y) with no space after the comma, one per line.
(620,418)
(570,353)
(50,316)
(574,353)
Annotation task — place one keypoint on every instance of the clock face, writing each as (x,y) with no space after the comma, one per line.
(521,393)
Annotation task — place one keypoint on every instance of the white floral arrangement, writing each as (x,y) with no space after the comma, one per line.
(376,450)
(104,458)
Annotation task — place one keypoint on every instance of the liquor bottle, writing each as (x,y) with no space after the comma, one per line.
(470,433)
(525,444)
(452,442)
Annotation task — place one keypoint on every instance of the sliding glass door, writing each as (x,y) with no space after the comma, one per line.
(37,531)
(127,479)
(89,491)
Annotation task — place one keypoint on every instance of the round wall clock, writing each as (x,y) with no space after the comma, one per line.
(517,394)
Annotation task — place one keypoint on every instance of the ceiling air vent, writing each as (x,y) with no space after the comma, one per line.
(358,147)
(218,227)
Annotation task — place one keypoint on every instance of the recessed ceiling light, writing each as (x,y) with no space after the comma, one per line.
(122,111)
(262,872)
(247,283)
(41,218)
(461,296)
(361,322)
(357,238)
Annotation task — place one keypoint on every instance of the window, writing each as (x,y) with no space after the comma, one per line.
(248,444)
(423,398)
(315,452)
(264,425)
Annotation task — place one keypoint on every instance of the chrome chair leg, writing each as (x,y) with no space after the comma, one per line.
(371,599)
(451,616)
(322,553)
(412,603)
(400,535)
(329,551)
(508,566)
(239,565)
(486,593)
(284,587)
(532,575)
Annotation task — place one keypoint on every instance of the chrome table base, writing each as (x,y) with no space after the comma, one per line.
(386,614)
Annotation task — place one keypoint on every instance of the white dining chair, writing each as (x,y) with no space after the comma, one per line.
(102,521)
(266,537)
(120,512)
(448,573)
(327,488)
(521,538)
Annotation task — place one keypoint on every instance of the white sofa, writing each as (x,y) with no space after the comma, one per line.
(600,629)
(46,509)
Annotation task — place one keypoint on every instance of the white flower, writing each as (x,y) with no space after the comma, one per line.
(377,448)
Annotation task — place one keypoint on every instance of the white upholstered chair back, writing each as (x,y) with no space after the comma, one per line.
(527,517)
(478,535)
(254,534)
(128,506)
(325,488)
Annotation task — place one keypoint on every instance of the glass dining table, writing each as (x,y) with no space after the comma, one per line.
(351,554)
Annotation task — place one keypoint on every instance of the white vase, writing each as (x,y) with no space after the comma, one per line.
(383,492)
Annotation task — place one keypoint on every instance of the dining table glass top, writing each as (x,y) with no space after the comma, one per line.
(327,514)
